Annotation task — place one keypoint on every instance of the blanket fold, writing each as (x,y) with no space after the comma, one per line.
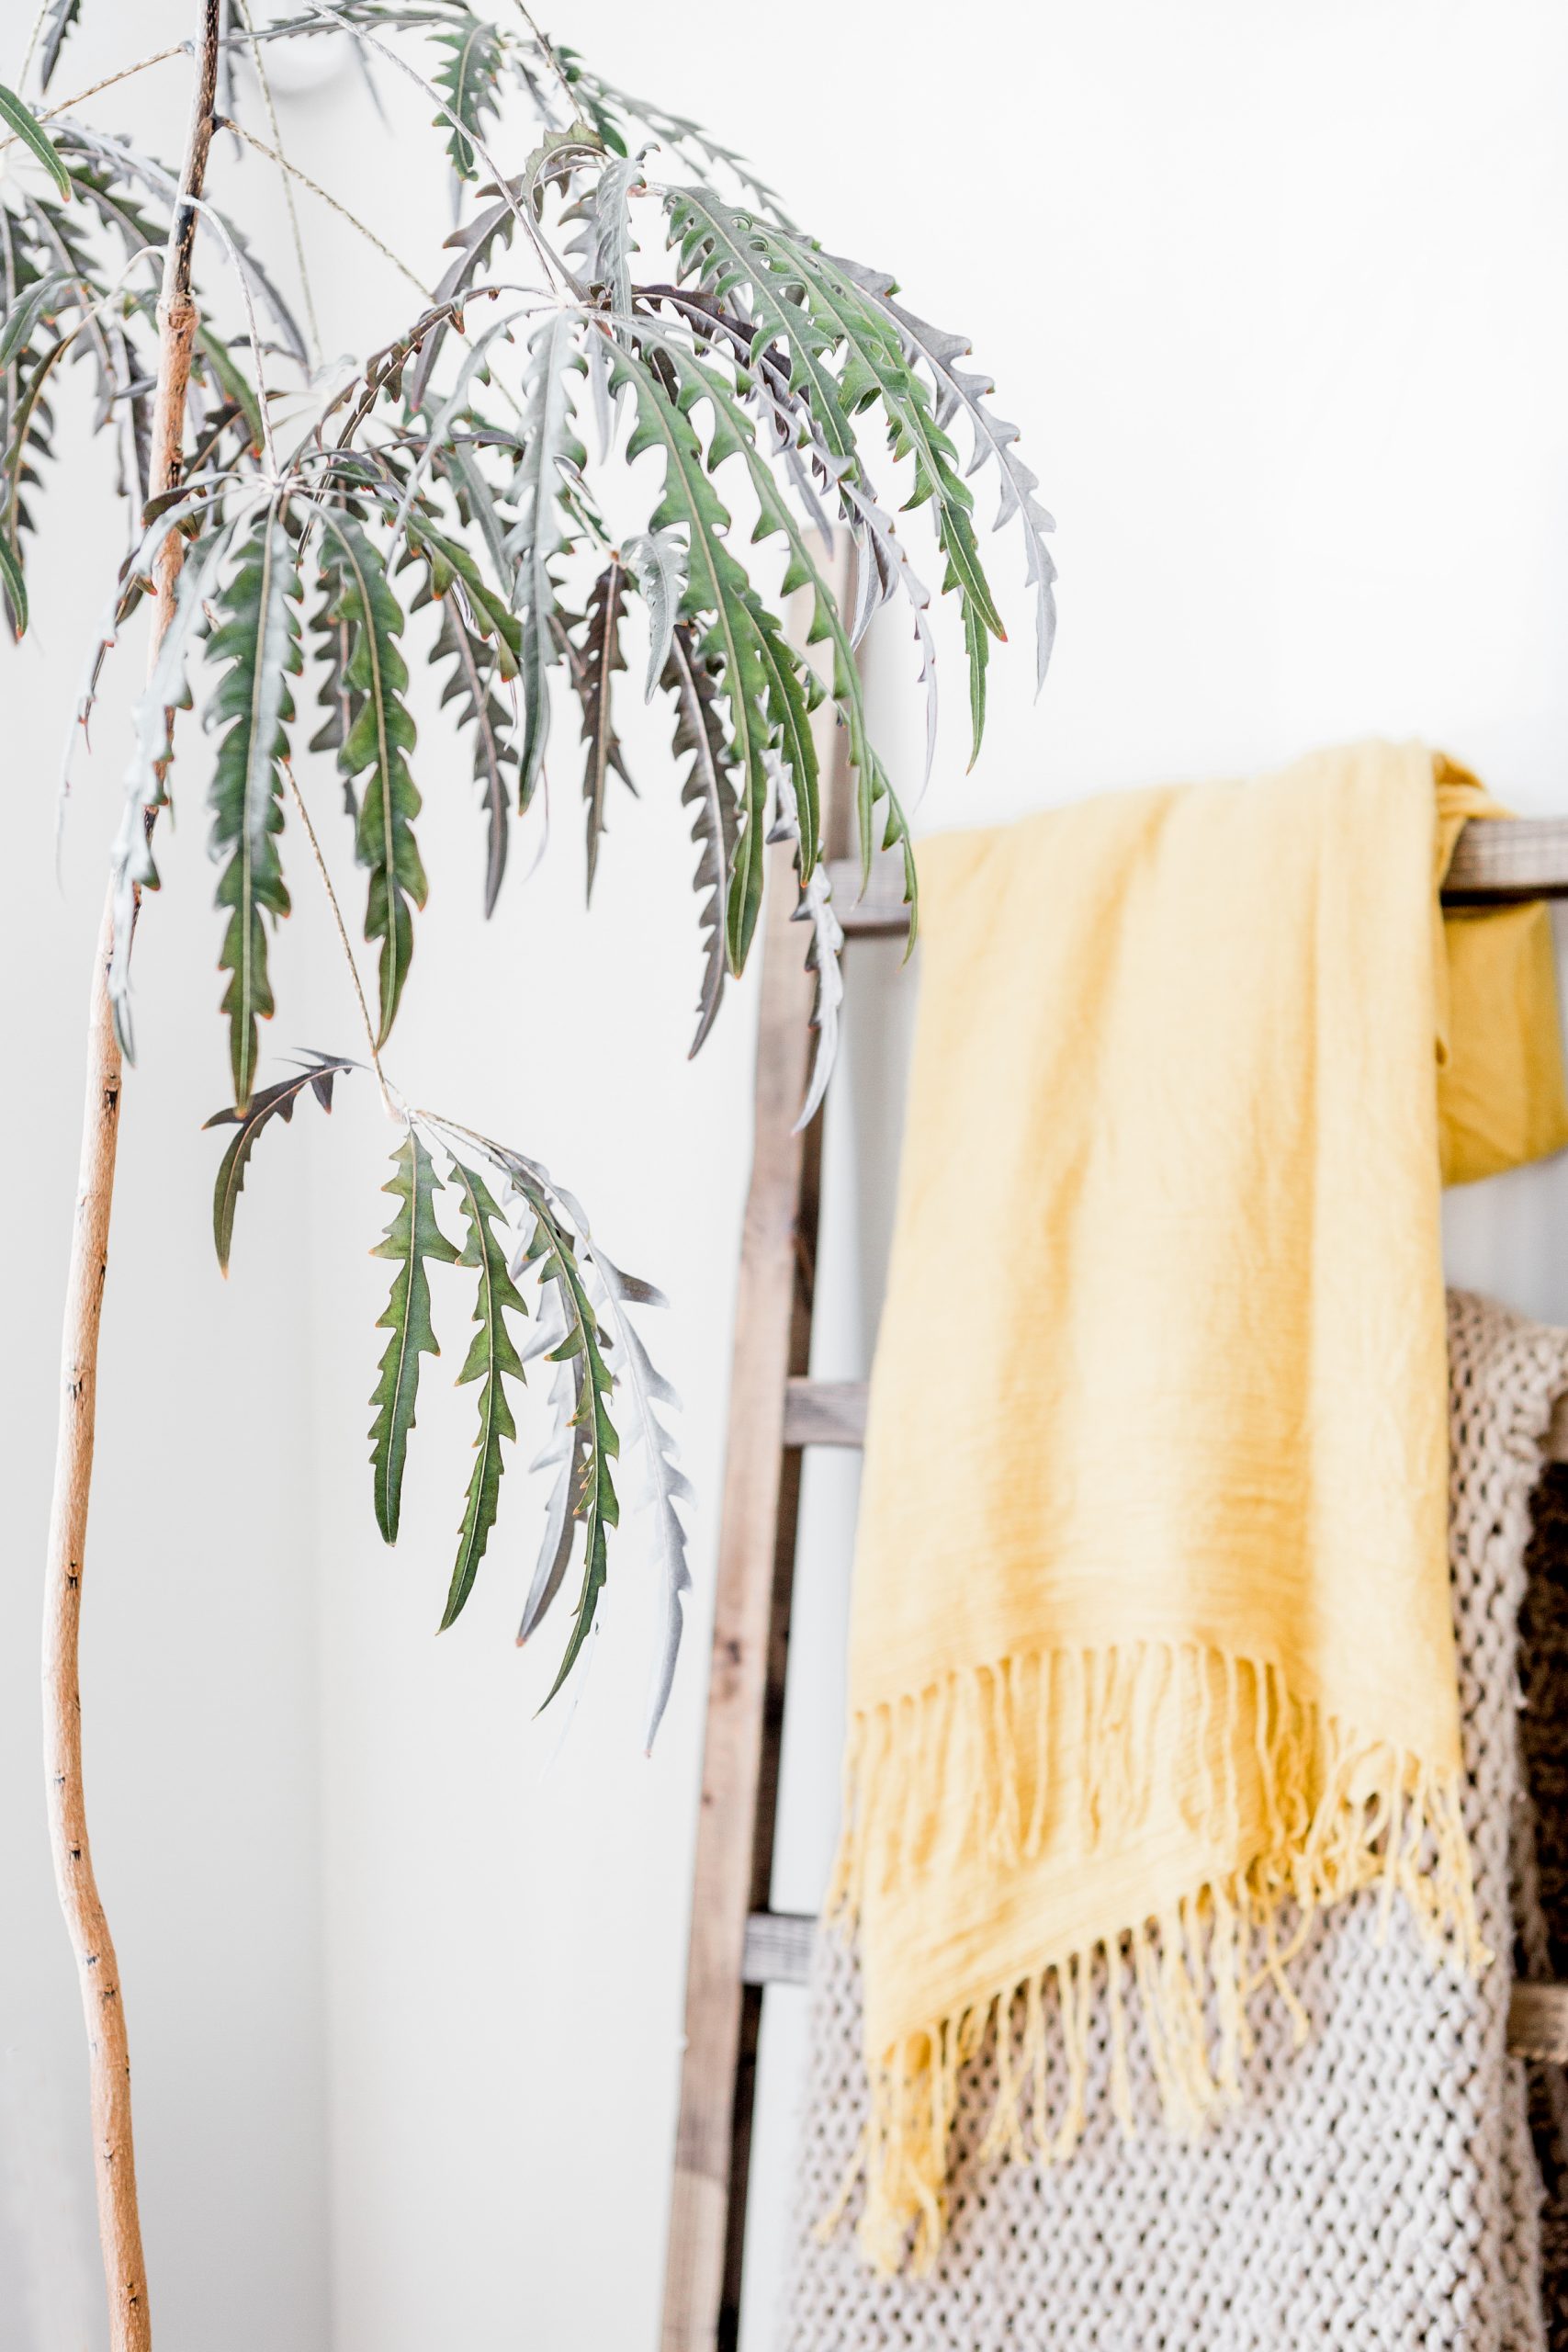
(1151,1653)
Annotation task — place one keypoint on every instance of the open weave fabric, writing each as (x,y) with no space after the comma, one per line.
(1374,2187)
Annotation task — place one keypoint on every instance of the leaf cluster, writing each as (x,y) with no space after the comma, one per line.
(617,277)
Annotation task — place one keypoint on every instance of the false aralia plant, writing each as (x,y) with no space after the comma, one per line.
(617,279)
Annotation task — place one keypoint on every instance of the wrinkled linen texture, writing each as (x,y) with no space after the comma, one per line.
(1152,1654)
(1373,2187)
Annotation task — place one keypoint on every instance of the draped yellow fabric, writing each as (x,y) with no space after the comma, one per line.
(1151,1650)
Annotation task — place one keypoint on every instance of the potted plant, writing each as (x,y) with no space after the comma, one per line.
(617,277)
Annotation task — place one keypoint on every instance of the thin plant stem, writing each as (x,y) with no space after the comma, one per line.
(108,2054)
(31,48)
(263,401)
(551,60)
(388,1096)
(310,319)
(159,57)
(551,260)
(274,156)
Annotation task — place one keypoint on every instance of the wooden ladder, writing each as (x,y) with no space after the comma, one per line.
(740,1945)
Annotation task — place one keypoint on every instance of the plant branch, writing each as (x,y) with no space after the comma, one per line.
(310,319)
(388,1098)
(274,156)
(552,262)
(120,2225)
(68,105)
(547,51)
(31,48)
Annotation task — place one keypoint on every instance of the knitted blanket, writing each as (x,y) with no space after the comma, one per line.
(1374,2185)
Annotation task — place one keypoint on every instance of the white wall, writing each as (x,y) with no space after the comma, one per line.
(1272,292)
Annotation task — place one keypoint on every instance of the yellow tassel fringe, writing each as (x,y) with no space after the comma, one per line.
(1058,1752)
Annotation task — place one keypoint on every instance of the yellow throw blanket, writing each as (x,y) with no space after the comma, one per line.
(1152,1651)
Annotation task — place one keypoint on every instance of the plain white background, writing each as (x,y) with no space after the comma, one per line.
(1275,293)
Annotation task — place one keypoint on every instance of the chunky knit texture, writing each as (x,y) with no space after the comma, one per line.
(1375,2184)
(1542,1938)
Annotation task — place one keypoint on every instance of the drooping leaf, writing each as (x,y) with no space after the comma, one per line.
(788,679)
(801,294)
(482,640)
(468,78)
(551,1256)
(330,653)
(377,747)
(815,907)
(270,1102)
(213,357)
(42,299)
(961,389)
(658,1482)
(493,1357)
(882,572)
(448,565)
(413,1240)
(721,251)
(709,791)
(57,24)
(564,1452)
(471,684)
(476,244)
(21,121)
(256,632)
(132,866)
(128,164)
(540,535)
(601,252)
(717,588)
(657,562)
(14,586)
(478,503)
(600,658)
(554,162)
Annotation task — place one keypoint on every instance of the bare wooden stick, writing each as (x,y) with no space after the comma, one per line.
(120,2225)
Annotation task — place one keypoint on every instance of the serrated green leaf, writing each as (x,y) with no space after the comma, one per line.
(719,590)
(469,80)
(256,632)
(600,658)
(709,792)
(23,316)
(558,154)
(482,640)
(413,1240)
(492,1357)
(57,24)
(789,277)
(721,250)
(548,443)
(375,747)
(552,1258)
(24,125)
(14,586)
(735,436)
(272,1103)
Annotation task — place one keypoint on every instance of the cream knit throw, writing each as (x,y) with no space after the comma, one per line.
(1372,2187)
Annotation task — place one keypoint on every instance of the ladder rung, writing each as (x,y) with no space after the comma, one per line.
(1538,2022)
(824,1412)
(778,1948)
(778,1951)
(879,912)
(1497,858)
